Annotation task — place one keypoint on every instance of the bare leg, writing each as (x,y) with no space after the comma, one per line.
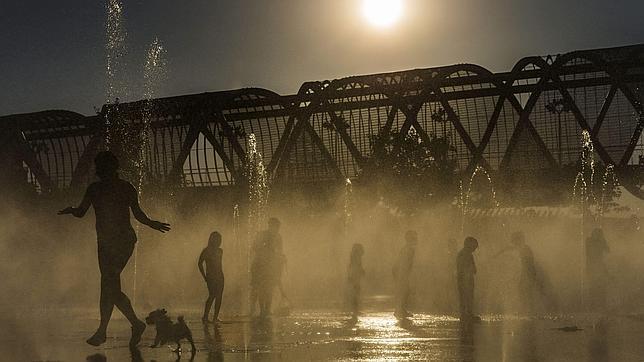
(106,306)
(115,297)
(206,309)
(122,302)
(220,292)
(405,300)
(355,300)
(192,344)
(106,302)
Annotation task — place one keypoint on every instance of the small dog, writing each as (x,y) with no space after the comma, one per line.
(167,331)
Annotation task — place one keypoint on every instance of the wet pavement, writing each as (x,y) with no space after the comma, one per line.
(58,335)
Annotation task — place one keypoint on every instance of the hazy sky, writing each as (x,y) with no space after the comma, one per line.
(52,52)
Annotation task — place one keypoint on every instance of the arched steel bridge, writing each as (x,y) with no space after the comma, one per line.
(529,118)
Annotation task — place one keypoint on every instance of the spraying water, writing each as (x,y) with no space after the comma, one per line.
(348,206)
(610,177)
(257,187)
(257,196)
(584,180)
(236,231)
(464,197)
(115,51)
(237,239)
(153,74)
(583,191)
(584,195)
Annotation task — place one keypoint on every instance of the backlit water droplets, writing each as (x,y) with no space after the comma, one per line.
(257,187)
(115,48)
(464,194)
(153,75)
(348,206)
(582,189)
(583,193)
(258,190)
(609,181)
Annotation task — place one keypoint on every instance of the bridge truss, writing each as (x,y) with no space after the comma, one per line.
(529,118)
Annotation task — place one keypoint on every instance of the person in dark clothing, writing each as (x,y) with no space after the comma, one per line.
(267,267)
(112,199)
(465,272)
(596,270)
(533,285)
(356,273)
(531,279)
(402,274)
(213,274)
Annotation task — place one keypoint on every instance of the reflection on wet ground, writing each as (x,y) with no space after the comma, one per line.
(59,336)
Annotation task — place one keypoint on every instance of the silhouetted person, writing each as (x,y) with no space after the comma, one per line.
(267,267)
(596,271)
(465,272)
(531,279)
(356,273)
(528,277)
(211,257)
(113,198)
(402,274)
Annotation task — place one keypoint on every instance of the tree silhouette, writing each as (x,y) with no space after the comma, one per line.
(408,172)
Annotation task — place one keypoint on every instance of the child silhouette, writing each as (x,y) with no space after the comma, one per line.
(213,274)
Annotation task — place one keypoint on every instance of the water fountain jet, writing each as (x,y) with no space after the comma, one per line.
(258,190)
(464,197)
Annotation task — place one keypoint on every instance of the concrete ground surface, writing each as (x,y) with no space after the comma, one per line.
(314,335)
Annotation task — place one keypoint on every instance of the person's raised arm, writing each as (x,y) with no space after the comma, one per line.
(142,217)
(82,208)
(200,263)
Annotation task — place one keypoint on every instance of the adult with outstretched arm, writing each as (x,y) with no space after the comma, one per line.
(112,199)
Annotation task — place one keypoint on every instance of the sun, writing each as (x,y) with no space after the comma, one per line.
(382,13)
